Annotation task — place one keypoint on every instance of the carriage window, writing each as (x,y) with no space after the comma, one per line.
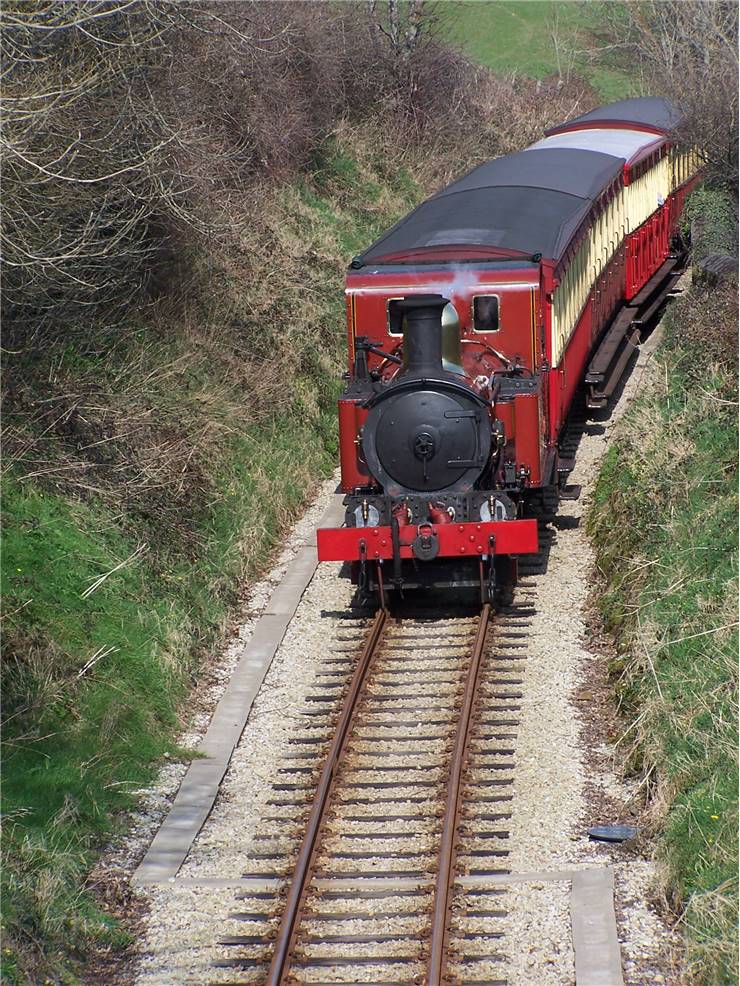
(395,317)
(485,313)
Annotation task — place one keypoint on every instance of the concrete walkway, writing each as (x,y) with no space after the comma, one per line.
(200,786)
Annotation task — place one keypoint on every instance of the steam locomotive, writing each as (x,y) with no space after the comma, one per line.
(471,324)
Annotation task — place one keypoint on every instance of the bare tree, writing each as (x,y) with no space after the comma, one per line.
(81,152)
(129,123)
(124,120)
(405,27)
(688,52)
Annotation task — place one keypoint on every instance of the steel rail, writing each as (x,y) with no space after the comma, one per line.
(448,842)
(285,940)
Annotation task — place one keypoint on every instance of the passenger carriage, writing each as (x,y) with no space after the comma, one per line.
(545,263)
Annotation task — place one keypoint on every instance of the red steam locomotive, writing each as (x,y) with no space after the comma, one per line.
(472,322)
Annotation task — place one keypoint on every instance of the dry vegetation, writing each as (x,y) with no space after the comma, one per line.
(82,156)
(688,52)
(184,183)
(128,126)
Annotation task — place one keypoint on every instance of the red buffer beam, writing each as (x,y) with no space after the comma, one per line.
(470,540)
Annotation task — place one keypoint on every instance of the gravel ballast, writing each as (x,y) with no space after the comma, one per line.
(560,785)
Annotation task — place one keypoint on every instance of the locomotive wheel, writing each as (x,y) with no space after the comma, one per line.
(549,500)
(501,587)
(504,597)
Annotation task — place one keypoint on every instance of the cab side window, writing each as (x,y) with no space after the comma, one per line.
(395,317)
(486,313)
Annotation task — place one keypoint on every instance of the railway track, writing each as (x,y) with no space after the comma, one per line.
(399,790)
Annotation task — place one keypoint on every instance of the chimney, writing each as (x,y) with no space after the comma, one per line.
(422,334)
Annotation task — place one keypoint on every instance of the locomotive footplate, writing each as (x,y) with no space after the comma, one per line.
(469,540)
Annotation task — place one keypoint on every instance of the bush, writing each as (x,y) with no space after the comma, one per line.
(84,169)
(687,52)
(130,129)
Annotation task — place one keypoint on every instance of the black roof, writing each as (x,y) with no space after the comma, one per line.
(532,201)
(569,170)
(647,111)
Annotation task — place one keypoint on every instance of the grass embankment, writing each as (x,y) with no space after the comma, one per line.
(540,39)
(665,528)
(157,446)
(148,471)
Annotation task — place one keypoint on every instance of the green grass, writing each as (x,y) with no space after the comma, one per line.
(518,37)
(665,527)
(93,683)
(187,446)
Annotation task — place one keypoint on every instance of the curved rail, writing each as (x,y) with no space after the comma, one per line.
(447,847)
(291,915)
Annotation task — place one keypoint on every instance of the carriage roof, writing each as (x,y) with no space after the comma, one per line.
(650,112)
(530,202)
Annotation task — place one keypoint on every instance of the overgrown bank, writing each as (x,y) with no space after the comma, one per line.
(161,429)
(198,175)
(664,523)
(150,469)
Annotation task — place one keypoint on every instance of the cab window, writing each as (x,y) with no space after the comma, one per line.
(486,313)
(395,317)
